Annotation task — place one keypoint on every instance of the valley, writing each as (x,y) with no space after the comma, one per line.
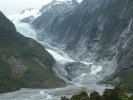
(85,77)
(66,47)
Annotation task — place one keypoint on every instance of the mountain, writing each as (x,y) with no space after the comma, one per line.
(51,11)
(24,63)
(99,31)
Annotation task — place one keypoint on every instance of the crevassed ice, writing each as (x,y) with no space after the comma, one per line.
(26,30)
(60,58)
(96,69)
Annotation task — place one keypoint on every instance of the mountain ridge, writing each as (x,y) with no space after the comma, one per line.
(24,63)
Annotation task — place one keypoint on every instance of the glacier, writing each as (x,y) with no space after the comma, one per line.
(79,75)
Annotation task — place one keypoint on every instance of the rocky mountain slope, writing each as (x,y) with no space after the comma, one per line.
(24,63)
(98,31)
(51,11)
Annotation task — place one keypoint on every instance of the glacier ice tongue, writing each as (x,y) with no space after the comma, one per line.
(77,71)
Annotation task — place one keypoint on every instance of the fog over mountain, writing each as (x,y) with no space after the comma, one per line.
(9,7)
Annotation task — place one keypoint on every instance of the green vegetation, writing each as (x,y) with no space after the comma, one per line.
(24,63)
(108,94)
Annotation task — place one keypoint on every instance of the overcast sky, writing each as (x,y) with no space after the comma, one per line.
(10,7)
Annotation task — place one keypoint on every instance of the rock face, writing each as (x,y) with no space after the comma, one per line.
(16,65)
(98,31)
(51,11)
(24,63)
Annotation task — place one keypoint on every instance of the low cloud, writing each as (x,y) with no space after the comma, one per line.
(9,7)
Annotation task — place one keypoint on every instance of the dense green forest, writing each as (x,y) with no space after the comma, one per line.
(108,94)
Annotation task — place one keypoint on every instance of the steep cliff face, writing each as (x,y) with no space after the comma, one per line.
(99,31)
(73,27)
(24,63)
(50,12)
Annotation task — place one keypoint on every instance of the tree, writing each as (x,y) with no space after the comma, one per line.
(64,98)
(82,96)
(95,96)
(131,97)
(112,94)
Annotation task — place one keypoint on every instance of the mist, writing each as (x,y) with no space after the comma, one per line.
(9,7)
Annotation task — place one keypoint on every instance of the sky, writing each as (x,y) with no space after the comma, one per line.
(10,7)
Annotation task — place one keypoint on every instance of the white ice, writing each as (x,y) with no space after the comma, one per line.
(60,58)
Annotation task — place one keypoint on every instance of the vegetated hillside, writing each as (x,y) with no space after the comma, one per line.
(24,63)
(99,31)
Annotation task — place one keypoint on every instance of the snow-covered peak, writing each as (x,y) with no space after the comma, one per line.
(79,1)
(65,1)
(53,2)
(61,1)
(59,6)
(31,12)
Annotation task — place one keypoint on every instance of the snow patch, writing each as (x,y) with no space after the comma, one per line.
(96,69)
(79,1)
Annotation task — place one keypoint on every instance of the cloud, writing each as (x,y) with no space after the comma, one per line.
(9,7)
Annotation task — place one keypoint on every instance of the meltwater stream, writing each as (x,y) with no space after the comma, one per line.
(50,94)
(76,85)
